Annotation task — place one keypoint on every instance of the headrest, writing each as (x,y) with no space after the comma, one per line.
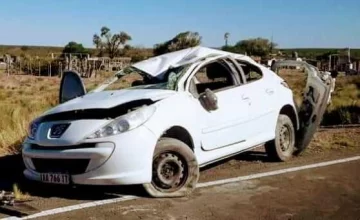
(216,70)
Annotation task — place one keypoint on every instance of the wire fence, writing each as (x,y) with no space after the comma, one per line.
(49,66)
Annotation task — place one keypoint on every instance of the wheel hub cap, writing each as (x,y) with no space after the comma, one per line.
(285,139)
(169,171)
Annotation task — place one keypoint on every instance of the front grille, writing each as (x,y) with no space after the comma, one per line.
(70,166)
(39,147)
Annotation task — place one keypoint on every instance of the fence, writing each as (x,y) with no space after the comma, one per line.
(50,66)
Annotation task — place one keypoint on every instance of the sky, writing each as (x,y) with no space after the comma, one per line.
(307,23)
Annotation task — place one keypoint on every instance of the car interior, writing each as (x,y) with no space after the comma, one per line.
(214,76)
(252,73)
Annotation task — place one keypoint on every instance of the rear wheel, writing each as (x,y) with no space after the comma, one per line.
(283,146)
(175,170)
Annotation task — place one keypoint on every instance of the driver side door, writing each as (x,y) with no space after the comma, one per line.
(226,125)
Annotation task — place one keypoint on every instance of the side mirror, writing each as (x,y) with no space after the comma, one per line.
(71,86)
(208,100)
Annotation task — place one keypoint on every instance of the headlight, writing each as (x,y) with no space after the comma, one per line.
(33,127)
(125,122)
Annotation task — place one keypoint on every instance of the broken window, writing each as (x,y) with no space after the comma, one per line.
(214,76)
(131,77)
(251,72)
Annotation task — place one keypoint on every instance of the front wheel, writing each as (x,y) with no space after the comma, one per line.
(283,146)
(175,170)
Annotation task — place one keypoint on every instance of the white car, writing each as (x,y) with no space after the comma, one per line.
(190,108)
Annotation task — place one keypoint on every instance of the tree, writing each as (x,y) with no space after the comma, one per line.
(255,46)
(137,53)
(109,42)
(73,47)
(181,41)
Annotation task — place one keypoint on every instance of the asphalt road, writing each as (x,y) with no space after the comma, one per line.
(325,193)
(331,192)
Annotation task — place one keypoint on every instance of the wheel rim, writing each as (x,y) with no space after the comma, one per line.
(285,138)
(170,171)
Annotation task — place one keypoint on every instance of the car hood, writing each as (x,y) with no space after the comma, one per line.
(109,99)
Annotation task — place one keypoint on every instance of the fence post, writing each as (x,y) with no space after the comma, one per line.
(50,69)
(39,67)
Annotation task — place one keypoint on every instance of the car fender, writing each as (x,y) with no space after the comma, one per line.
(176,111)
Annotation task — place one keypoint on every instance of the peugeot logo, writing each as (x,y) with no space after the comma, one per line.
(57,130)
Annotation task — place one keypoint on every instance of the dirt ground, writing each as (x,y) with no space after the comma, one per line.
(331,192)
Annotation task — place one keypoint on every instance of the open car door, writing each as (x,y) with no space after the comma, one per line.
(71,86)
(316,97)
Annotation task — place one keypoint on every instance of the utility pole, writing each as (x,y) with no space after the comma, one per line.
(226,37)
(349,59)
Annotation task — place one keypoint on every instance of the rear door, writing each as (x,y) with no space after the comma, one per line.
(261,91)
(315,100)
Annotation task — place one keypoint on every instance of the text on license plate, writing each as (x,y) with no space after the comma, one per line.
(56,178)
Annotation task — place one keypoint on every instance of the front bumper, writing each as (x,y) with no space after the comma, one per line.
(117,160)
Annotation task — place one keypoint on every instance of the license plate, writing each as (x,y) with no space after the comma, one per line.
(56,178)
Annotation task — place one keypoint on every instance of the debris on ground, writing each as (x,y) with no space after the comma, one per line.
(7,198)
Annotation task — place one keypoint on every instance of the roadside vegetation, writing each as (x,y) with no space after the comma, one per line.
(345,106)
(22,99)
(335,139)
(25,97)
(345,100)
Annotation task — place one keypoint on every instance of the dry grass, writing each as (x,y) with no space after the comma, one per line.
(18,194)
(296,79)
(22,99)
(335,139)
(345,105)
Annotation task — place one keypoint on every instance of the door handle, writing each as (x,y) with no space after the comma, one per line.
(269,91)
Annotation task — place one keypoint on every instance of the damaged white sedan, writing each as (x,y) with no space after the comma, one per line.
(190,108)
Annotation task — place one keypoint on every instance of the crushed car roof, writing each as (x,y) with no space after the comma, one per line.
(155,66)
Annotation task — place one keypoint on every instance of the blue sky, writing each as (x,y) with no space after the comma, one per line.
(307,23)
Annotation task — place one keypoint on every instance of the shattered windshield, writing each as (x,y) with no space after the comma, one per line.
(131,77)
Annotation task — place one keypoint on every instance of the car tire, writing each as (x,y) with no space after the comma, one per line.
(283,146)
(175,170)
